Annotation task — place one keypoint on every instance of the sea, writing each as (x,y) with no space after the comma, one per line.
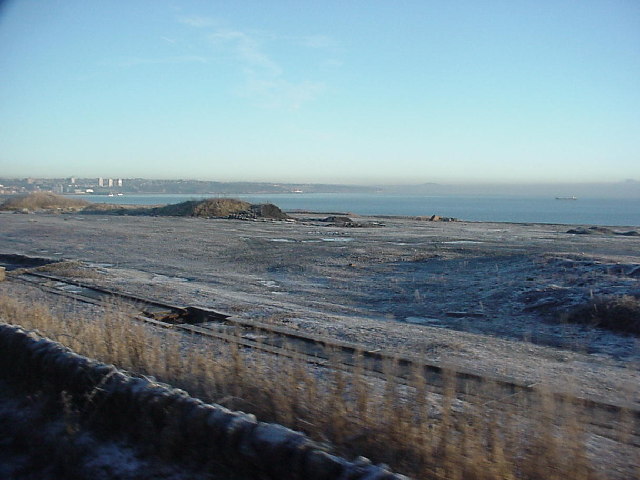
(477,208)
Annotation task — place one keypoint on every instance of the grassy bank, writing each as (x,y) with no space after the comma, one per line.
(417,433)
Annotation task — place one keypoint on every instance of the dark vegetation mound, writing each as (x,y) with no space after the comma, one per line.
(590,231)
(619,313)
(42,200)
(344,221)
(219,207)
(211,207)
(268,210)
(601,231)
(339,219)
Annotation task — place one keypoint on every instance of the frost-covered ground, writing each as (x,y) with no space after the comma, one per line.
(485,296)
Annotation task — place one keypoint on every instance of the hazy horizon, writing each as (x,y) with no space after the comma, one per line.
(407,92)
(628,188)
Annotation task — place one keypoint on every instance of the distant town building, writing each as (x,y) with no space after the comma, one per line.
(119,182)
(101,182)
(72,180)
(110,182)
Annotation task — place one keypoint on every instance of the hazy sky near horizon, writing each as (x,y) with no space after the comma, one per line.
(334,91)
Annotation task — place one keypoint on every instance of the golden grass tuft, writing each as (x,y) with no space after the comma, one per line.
(421,434)
(68,268)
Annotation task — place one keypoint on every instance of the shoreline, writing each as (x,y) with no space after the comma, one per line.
(481,208)
(516,209)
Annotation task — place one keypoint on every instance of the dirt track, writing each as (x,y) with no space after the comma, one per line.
(475,295)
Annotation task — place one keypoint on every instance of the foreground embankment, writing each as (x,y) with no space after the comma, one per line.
(483,297)
(166,419)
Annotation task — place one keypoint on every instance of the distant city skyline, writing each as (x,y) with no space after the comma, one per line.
(361,93)
(102,186)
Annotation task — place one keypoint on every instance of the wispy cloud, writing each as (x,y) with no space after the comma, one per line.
(135,61)
(198,21)
(247,50)
(267,82)
(318,41)
(265,79)
(279,93)
(332,63)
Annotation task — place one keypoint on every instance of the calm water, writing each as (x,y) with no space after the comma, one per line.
(591,211)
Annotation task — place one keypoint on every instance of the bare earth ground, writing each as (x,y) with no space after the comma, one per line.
(478,296)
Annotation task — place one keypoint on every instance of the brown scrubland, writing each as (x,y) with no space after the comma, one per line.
(416,432)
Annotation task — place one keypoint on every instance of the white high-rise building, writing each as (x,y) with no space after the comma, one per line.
(111,182)
(101,182)
(119,182)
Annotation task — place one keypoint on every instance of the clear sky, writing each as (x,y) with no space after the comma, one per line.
(321,91)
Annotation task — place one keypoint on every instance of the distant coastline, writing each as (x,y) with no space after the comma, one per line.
(480,208)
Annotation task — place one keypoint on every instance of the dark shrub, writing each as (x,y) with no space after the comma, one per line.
(619,313)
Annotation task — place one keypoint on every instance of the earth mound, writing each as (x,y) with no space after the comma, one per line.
(42,201)
(338,219)
(220,207)
(591,231)
(268,210)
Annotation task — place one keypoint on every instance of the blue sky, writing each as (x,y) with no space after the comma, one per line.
(334,91)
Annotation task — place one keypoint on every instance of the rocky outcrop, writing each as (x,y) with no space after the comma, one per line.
(169,420)
(337,219)
(344,221)
(437,218)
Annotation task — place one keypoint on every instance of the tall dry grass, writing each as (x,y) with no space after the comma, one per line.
(418,433)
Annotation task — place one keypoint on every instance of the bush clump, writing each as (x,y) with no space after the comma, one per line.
(42,200)
(618,313)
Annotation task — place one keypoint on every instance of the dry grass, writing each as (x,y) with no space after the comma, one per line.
(614,312)
(417,433)
(68,268)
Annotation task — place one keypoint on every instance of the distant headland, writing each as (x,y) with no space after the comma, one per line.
(140,186)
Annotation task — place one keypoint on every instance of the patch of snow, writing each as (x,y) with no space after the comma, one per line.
(423,321)
(342,239)
(460,242)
